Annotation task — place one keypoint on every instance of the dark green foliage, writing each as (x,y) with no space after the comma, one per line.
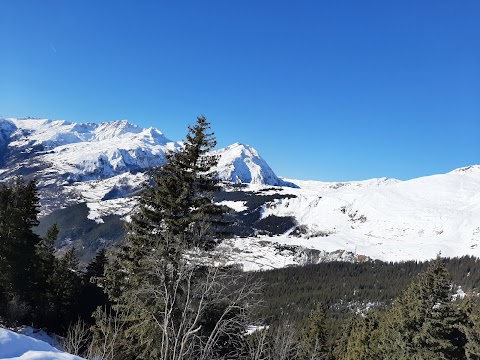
(471,327)
(87,235)
(175,214)
(35,287)
(95,269)
(423,322)
(275,225)
(358,338)
(66,287)
(313,335)
(179,201)
(92,295)
(46,272)
(18,260)
(291,293)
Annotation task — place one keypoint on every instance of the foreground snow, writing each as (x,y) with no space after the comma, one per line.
(15,346)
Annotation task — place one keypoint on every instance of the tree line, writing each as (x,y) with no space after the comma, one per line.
(37,287)
(164,294)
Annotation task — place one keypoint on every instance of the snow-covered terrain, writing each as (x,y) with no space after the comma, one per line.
(64,156)
(97,151)
(383,219)
(16,346)
(291,222)
(242,163)
(388,219)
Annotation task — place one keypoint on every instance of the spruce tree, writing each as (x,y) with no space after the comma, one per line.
(92,293)
(470,326)
(423,322)
(358,339)
(313,335)
(95,269)
(176,214)
(66,290)
(18,261)
(178,202)
(46,312)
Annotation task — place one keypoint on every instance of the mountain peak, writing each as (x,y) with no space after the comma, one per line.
(466,169)
(242,163)
(116,128)
(87,151)
(240,149)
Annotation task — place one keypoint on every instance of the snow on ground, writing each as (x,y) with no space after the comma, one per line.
(386,219)
(383,219)
(16,346)
(265,253)
(39,335)
(235,205)
(254,328)
(108,196)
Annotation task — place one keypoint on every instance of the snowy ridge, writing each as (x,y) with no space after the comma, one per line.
(266,253)
(89,151)
(467,169)
(7,128)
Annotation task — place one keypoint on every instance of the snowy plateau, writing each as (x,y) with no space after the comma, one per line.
(93,173)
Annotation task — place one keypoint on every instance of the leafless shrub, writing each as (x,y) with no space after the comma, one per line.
(199,285)
(77,339)
(275,343)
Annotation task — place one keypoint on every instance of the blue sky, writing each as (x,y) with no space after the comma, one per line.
(325,90)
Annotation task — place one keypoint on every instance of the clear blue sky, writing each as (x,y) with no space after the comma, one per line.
(327,90)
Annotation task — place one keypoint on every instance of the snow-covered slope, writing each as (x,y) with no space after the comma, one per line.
(65,156)
(294,222)
(242,163)
(58,149)
(386,219)
(87,151)
(15,346)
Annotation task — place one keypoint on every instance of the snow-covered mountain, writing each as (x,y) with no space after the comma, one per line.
(242,163)
(89,174)
(90,151)
(65,155)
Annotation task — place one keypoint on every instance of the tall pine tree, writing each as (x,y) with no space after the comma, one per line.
(423,323)
(313,336)
(175,214)
(18,261)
